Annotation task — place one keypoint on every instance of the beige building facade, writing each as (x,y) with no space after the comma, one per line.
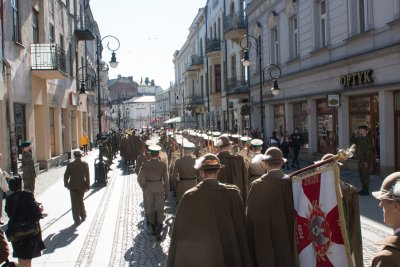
(43,51)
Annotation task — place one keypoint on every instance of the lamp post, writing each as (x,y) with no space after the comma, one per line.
(100,170)
(274,72)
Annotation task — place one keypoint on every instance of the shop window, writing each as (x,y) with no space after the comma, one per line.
(326,127)
(279,119)
(300,119)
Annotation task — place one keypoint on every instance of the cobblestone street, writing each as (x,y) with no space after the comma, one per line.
(115,233)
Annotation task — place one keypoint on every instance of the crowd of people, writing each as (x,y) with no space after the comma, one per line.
(235,203)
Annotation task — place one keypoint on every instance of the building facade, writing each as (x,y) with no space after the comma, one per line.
(43,50)
(339,63)
(162,108)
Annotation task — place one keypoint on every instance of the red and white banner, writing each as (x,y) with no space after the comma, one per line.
(321,234)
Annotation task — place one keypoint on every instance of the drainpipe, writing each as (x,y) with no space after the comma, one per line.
(11,122)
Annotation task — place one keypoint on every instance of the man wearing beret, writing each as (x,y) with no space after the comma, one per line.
(235,171)
(209,228)
(270,218)
(363,154)
(28,167)
(389,196)
(153,179)
(77,180)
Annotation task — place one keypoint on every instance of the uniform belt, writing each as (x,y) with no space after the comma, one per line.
(153,181)
(193,178)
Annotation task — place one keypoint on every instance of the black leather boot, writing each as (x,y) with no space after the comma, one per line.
(158,231)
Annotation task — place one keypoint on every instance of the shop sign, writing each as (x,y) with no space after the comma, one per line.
(357,78)
(334,100)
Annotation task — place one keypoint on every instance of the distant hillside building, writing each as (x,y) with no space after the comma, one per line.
(124,87)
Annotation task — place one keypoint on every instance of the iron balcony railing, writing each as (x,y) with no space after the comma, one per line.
(235,21)
(84,28)
(237,85)
(197,60)
(47,57)
(213,45)
(197,100)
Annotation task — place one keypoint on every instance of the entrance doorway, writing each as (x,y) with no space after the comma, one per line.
(364,109)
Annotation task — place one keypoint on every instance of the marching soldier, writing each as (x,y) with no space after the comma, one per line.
(245,152)
(235,147)
(256,167)
(28,167)
(77,180)
(235,171)
(175,156)
(153,179)
(184,171)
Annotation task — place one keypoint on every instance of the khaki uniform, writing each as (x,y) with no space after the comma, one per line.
(153,179)
(185,174)
(390,254)
(256,170)
(245,153)
(174,183)
(363,154)
(77,180)
(28,171)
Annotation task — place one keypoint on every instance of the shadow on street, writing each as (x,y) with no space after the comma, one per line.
(61,239)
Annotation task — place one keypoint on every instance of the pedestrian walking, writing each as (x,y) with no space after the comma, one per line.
(296,142)
(77,181)
(209,228)
(22,209)
(28,167)
(85,143)
(389,196)
(363,142)
(270,218)
(153,179)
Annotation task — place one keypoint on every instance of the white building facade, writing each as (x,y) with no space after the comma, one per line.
(340,68)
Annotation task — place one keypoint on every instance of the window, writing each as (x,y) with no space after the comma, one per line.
(71,60)
(35,26)
(360,16)
(279,119)
(51,33)
(233,66)
(294,38)
(61,41)
(300,116)
(16,25)
(323,24)
(275,46)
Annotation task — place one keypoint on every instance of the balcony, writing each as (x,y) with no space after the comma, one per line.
(48,61)
(235,26)
(84,29)
(197,100)
(237,88)
(197,61)
(213,45)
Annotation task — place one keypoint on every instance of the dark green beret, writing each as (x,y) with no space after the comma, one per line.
(26,143)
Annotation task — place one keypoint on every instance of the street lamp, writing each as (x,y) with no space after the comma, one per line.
(100,168)
(274,72)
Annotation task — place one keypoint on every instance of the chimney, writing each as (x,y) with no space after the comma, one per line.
(119,76)
(152,82)
(146,80)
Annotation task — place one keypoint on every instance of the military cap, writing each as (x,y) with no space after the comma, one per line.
(151,142)
(188,146)
(216,133)
(78,153)
(390,188)
(154,148)
(274,154)
(363,126)
(26,143)
(222,141)
(245,139)
(235,136)
(256,142)
(208,162)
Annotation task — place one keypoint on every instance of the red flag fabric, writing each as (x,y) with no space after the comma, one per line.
(321,234)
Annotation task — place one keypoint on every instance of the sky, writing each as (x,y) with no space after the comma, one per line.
(150,31)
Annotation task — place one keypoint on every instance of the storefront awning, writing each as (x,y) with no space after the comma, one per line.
(173,120)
